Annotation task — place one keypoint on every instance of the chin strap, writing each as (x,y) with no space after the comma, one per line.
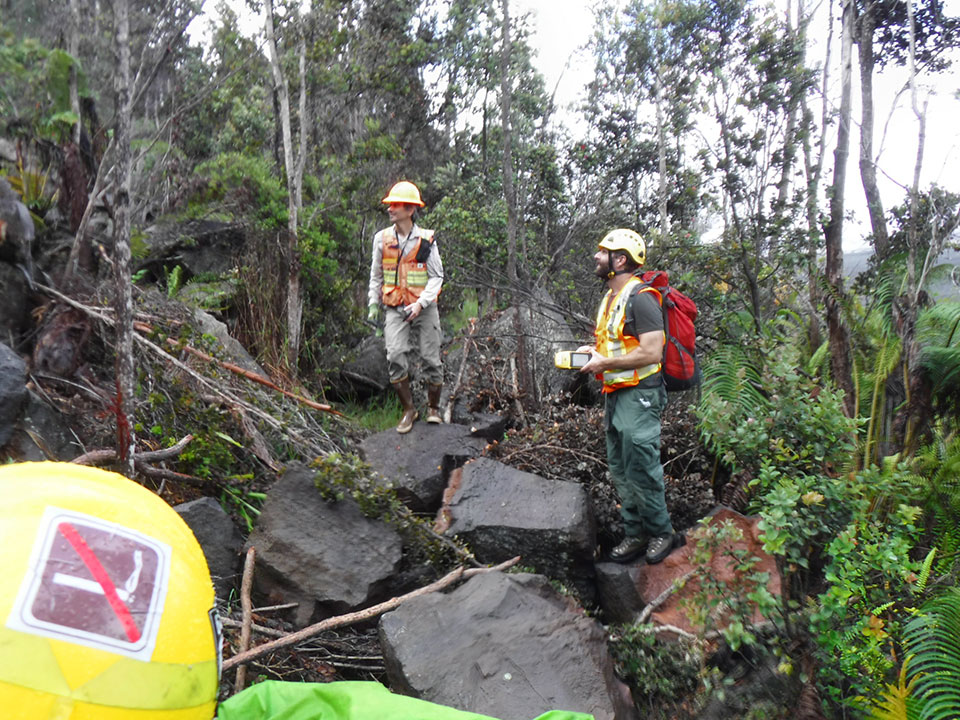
(613,273)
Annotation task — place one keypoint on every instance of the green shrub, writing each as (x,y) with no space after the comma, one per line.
(658,673)
(750,415)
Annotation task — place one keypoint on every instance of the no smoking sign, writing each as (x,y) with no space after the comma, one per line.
(95,583)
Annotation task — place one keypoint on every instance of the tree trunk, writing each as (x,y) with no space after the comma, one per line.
(294,306)
(917,408)
(73,47)
(838,333)
(123,293)
(508,188)
(662,158)
(868,168)
(814,171)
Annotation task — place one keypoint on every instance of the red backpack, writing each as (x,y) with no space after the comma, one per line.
(681,370)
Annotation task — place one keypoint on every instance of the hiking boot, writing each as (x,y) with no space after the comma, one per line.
(663,545)
(433,404)
(406,401)
(628,549)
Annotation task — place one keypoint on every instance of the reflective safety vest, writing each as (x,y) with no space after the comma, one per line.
(611,342)
(404,278)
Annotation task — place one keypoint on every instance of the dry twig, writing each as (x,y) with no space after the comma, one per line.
(247,605)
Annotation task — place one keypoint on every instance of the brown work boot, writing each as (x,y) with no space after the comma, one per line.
(433,404)
(406,401)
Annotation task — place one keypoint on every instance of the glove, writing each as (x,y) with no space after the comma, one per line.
(373,314)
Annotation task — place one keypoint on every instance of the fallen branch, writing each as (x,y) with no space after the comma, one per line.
(242,372)
(96,457)
(164,474)
(360,615)
(578,452)
(662,597)
(247,605)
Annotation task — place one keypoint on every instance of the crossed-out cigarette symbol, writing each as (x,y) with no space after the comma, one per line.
(92,586)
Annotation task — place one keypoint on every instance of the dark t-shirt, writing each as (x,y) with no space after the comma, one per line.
(644,315)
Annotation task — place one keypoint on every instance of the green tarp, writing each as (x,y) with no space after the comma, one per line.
(272,700)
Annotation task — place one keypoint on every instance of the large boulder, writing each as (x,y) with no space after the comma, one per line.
(418,464)
(42,433)
(219,539)
(363,371)
(199,247)
(625,590)
(544,331)
(327,557)
(13,391)
(13,301)
(235,352)
(508,646)
(16,227)
(502,512)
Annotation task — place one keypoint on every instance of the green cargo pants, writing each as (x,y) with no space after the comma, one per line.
(632,423)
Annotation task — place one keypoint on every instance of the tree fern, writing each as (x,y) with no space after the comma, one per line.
(731,375)
(938,332)
(940,464)
(933,641)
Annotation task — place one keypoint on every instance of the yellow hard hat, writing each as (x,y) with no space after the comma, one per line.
(106,598)
(404,192)
(628,241)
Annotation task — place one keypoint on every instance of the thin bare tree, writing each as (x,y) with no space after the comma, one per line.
(294,173)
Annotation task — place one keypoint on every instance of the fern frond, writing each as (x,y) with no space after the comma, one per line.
(938,324)
(925,570)
(818,360)
(896,702)
(933,638)
(729,374)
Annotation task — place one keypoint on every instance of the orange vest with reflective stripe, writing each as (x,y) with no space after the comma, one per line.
(403,277)
(611,342)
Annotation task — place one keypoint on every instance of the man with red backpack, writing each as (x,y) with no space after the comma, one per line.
(627,356)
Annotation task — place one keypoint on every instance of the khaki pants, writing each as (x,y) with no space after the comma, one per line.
(398,333)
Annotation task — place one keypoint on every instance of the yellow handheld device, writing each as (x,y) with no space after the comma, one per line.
(569,360)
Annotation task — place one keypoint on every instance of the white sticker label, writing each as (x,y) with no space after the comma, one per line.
(94,583)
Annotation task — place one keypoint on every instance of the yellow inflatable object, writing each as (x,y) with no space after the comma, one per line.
(106,602)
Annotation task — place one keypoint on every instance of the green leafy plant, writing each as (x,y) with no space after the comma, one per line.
(726,604)
(174,280)
(339,476)
(939,463)
(799,514)
(871,576)
(658,672)
(245,503)
(748,416)
(938,332)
